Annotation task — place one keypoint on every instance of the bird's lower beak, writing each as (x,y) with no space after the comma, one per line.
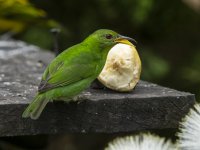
(125,40)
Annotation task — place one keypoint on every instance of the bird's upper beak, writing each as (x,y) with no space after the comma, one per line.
(125,40)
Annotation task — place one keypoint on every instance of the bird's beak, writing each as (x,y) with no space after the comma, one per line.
(125,40)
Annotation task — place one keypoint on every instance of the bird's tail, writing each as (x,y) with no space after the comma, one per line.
(36,107)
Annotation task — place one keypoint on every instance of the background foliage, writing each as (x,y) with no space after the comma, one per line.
(168,33)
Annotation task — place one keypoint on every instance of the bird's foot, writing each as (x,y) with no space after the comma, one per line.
(82,96)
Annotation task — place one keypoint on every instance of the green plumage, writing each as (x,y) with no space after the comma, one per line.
(72,71)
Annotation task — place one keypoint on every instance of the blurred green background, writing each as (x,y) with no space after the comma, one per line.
(168,32)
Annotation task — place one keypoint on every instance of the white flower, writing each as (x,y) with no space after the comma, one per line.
(189,136)
(141,142)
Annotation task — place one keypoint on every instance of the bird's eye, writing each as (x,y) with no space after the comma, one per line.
(108,36)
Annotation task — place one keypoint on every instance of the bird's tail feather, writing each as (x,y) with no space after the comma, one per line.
(36,107)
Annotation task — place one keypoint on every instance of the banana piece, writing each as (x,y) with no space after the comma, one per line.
(122,69)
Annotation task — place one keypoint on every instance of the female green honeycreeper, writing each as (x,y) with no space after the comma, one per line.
(74,70)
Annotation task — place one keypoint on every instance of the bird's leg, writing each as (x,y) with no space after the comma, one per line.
(82,96)
(79,98)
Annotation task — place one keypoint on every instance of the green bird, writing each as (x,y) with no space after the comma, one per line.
(73,70)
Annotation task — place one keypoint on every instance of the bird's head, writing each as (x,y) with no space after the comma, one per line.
(107,38)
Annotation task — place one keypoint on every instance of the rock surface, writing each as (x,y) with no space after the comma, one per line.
(148,106)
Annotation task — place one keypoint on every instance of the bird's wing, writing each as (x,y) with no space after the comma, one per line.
(69,67)
(66,75)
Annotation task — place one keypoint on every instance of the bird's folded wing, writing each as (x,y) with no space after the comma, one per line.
(63,75)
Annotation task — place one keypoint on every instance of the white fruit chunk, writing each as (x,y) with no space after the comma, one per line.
(122,69)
